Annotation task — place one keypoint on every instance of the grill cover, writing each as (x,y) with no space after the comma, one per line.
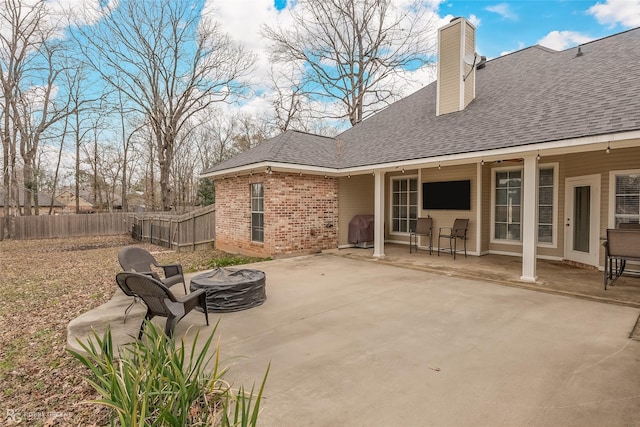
(361,229)
(230,289)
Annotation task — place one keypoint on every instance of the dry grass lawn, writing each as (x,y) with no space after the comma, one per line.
(43,285)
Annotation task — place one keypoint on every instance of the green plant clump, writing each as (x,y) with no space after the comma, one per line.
(156,382)
(234,260)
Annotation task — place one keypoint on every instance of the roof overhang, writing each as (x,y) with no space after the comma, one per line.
(267,167)
(550,148)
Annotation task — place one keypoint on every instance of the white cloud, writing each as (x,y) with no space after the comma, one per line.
(521,45)
(474,20)
(561,40)
(504,10)
(81,12)
(613,12)
(243,20)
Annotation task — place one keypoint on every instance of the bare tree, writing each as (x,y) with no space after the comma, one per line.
(214,138)
(109,171)
(349,51)
(54,181)
(36,110)
(136,162)
(293,107)
(170,62)
(184,167)
(251,131)
(29,70)
(106,160)
(19,36)
(290,101)
(87,110)
(127,148)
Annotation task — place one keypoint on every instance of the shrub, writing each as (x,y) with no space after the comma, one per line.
(234,260)
(157,382)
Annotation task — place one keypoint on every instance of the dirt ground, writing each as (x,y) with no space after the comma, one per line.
(43,285)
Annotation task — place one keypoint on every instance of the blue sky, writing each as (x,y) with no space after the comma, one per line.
(502,26)
(511,25)
(506,26)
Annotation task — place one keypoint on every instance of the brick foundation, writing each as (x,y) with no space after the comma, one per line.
(300,214)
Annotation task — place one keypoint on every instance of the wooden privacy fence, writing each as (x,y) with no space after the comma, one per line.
(50,226)
(189,231)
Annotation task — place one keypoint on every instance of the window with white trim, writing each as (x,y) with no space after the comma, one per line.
(627,202)
(507,212)
(257,212)
(546,186)
(508,188)
(404,204)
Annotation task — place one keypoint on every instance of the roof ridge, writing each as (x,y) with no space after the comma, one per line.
(535,46)
(285,137)
(550,50)
(309,133)
(606,37)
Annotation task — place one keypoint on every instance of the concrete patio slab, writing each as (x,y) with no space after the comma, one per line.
(556,277)
(369,344)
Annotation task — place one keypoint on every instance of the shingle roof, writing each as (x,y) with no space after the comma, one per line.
(43,200)
(531,96)
(290,147)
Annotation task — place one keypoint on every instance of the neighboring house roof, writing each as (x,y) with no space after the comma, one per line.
(69,199)
(89,196)
(531,96)
(43,200)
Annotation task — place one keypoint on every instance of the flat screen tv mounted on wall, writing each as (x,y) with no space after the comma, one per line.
(449,195)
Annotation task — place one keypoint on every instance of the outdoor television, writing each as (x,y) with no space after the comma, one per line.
(450,195)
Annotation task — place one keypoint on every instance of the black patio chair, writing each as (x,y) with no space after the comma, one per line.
(424,227)
(159,299)
(133,258)
(453,234)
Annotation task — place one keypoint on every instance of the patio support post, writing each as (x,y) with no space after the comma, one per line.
(529,228)
(378,238)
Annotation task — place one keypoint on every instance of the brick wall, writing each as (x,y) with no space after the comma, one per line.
(300,214)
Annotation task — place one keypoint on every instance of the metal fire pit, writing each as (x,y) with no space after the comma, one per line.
(230,289)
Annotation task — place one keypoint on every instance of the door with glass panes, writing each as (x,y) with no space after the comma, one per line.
(582,219)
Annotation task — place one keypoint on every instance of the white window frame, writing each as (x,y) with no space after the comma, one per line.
(612,193)
(494,171)
(402,178)
(555,167)
(554,225)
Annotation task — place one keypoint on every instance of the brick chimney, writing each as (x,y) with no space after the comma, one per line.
(456,66)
